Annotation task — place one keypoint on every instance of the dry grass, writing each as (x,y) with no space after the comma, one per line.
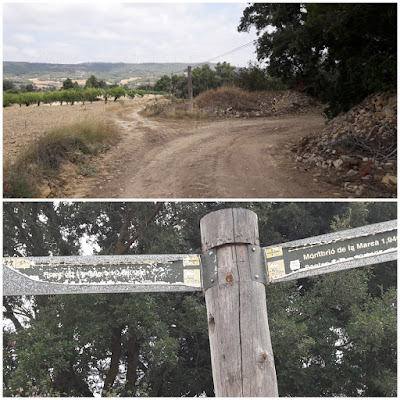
(226,97)
(177,109)
(222,98)
(42,160)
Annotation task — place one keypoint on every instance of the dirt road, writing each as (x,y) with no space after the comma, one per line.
(224,158)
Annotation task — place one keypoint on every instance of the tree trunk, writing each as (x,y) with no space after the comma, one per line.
(115,357)
(132,352)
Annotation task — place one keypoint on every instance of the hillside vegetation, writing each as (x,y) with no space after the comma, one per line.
(111,72)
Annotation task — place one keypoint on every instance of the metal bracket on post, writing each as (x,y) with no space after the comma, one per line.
(210,270)
(258,272)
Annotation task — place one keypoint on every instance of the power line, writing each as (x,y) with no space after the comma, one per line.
(222,55)
(230,52)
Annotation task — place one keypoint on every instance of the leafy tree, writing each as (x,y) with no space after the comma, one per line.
(9,99)
(225,73)
(92,82)
(180,86)
(333,335)
(91,94)
(28,88)
(203,79)
(70,96)
(68,84)
(116,92)
(27,98)
(39,97)
(50,96)
(254,78)
(102,84)
(163,84)
(105,94)
(8,85)
(339,52)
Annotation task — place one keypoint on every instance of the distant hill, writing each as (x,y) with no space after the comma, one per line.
(112,72)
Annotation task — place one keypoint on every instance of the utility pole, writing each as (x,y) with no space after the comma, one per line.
(190,89)
(241,352)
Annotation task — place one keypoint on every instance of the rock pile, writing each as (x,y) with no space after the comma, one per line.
(357,149)
(261,104)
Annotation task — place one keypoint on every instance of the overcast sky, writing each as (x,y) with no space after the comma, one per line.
(68,32)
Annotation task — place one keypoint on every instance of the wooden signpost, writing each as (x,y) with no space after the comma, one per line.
(233,272)
(190,89)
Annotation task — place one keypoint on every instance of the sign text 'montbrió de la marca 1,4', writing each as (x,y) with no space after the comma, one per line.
(283,260)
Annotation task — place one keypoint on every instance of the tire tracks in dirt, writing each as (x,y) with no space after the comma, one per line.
(207,159)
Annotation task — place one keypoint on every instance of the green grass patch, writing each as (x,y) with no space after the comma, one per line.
(42,160)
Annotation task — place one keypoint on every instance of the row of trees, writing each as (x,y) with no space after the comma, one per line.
(340,52)
(62,96)
(91,83)
(70,92)
(253,78)
(332,335)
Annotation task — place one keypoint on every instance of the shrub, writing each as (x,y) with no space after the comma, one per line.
(42,160)
(255,78)
(227,97)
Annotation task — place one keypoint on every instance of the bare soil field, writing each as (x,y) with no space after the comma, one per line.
(163,158)
(23,125)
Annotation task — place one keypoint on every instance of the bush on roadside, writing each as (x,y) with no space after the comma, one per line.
(226,97)
(43,159)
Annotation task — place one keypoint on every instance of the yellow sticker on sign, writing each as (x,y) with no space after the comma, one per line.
(273,252)
(191,260)
(191,277)
(18,263)
(276,269)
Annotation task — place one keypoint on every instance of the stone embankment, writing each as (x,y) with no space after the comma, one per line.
(236,103)
(356,150)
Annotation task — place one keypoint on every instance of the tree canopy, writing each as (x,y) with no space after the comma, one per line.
(68,84)
(333,335)
(203,78)
(340,52)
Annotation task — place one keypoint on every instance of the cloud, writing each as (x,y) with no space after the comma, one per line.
(21,38)
(112,31)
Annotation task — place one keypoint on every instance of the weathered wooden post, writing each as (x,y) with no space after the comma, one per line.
(241,352)
(190,89)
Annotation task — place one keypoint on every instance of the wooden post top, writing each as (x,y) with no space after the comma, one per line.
(230,225)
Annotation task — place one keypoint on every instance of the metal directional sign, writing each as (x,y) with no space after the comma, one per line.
(101,274)
(317,255)
(367,245)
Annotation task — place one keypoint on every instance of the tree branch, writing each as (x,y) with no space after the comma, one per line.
(9,313)
(123,247)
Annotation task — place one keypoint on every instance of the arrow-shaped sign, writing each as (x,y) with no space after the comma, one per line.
(367,245)
(101,274)
(316,255)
